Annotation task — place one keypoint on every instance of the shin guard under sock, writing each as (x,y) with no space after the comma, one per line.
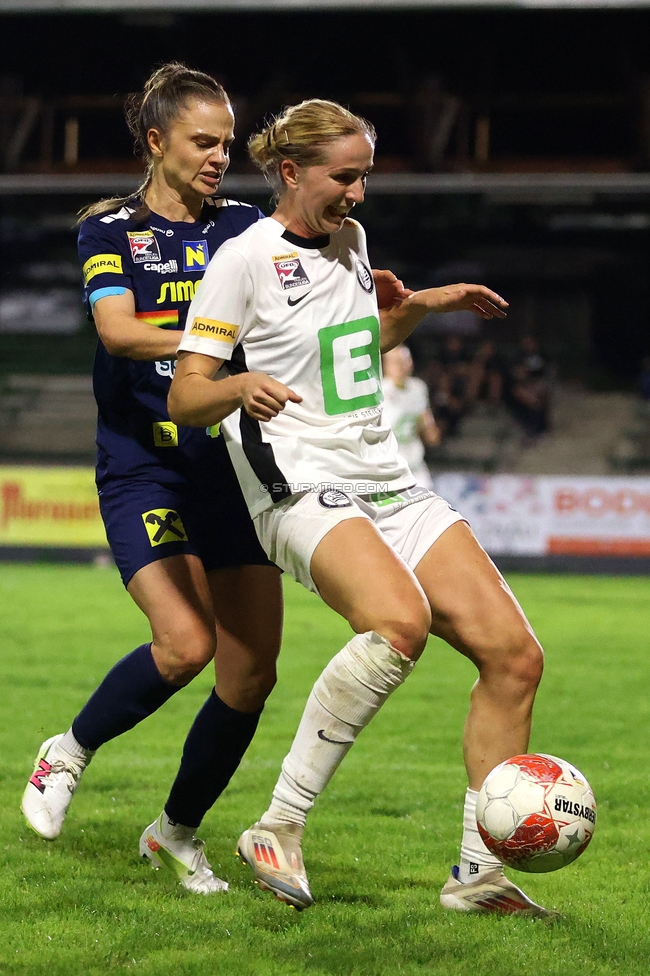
(131,691)
(349,692)
(214,747)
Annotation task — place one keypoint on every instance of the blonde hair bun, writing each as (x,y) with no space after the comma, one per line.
(302,134)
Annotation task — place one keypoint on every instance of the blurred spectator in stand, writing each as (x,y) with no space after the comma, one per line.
(449,380)
(528,389)
(644,380)
(486,375)
(407,409)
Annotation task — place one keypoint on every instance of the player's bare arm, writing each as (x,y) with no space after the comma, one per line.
(398,321)
(196,401)
(125,335)
(428,429)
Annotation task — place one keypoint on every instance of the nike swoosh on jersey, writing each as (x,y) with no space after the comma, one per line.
(336,742)
(295,301)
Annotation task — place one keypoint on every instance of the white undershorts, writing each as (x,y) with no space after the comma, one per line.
(410,520)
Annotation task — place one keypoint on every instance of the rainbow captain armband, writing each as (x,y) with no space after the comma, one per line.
(104,293)
(161,318)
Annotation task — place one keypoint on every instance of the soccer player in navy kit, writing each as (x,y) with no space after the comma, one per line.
(174,514)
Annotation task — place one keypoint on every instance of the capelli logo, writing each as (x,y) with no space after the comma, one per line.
(167,267)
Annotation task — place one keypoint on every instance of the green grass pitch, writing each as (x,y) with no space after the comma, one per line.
(380,841)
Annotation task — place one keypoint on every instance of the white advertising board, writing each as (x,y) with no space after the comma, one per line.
(514,515)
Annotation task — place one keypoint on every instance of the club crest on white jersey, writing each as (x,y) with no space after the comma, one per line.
(364,277)
(332,498)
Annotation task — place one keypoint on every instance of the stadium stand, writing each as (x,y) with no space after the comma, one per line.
(588,430)
(545,187)
(47,418)
(52,418)
(631,451)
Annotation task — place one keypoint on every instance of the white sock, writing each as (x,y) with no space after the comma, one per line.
(174,831)
(349,692)
(70,745)
(475,859)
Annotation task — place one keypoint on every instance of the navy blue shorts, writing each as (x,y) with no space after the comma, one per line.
(207,517)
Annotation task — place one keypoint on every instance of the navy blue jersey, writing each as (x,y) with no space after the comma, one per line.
(162,262)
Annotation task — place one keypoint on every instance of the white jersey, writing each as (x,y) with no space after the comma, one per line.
(304,312)
(403,408)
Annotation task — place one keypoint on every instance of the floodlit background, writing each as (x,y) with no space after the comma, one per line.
(514,149)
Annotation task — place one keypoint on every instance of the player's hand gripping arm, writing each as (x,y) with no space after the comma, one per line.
(125,335)
(398,321)
(390,290)
(197,401)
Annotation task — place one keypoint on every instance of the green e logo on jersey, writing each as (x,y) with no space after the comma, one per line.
(349,365)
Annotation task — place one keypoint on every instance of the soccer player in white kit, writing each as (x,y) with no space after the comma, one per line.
(408,411)
(290,306)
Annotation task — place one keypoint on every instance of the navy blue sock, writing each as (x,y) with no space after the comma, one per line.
(131,691)
(213,750)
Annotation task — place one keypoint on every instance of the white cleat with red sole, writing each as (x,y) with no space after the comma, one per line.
(273,852)
(490,892)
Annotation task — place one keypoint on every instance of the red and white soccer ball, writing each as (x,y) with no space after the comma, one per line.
(536,813)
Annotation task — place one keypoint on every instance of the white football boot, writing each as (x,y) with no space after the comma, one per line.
(490,892)
(273,852)
(48,794)
(181,853)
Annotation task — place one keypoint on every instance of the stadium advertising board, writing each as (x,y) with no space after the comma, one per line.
(514,515)
(55,507)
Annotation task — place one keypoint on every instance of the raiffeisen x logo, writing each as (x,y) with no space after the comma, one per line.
(164,525)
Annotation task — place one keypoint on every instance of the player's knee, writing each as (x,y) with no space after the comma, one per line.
(409,634)
(247,692)
(516,657)
(403,618)
(184,652)
(527,663)
(258,689)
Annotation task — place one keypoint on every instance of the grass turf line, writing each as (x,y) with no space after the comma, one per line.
(381,839)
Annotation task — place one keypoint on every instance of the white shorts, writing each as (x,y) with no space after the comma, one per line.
(410,520)
(421,474)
